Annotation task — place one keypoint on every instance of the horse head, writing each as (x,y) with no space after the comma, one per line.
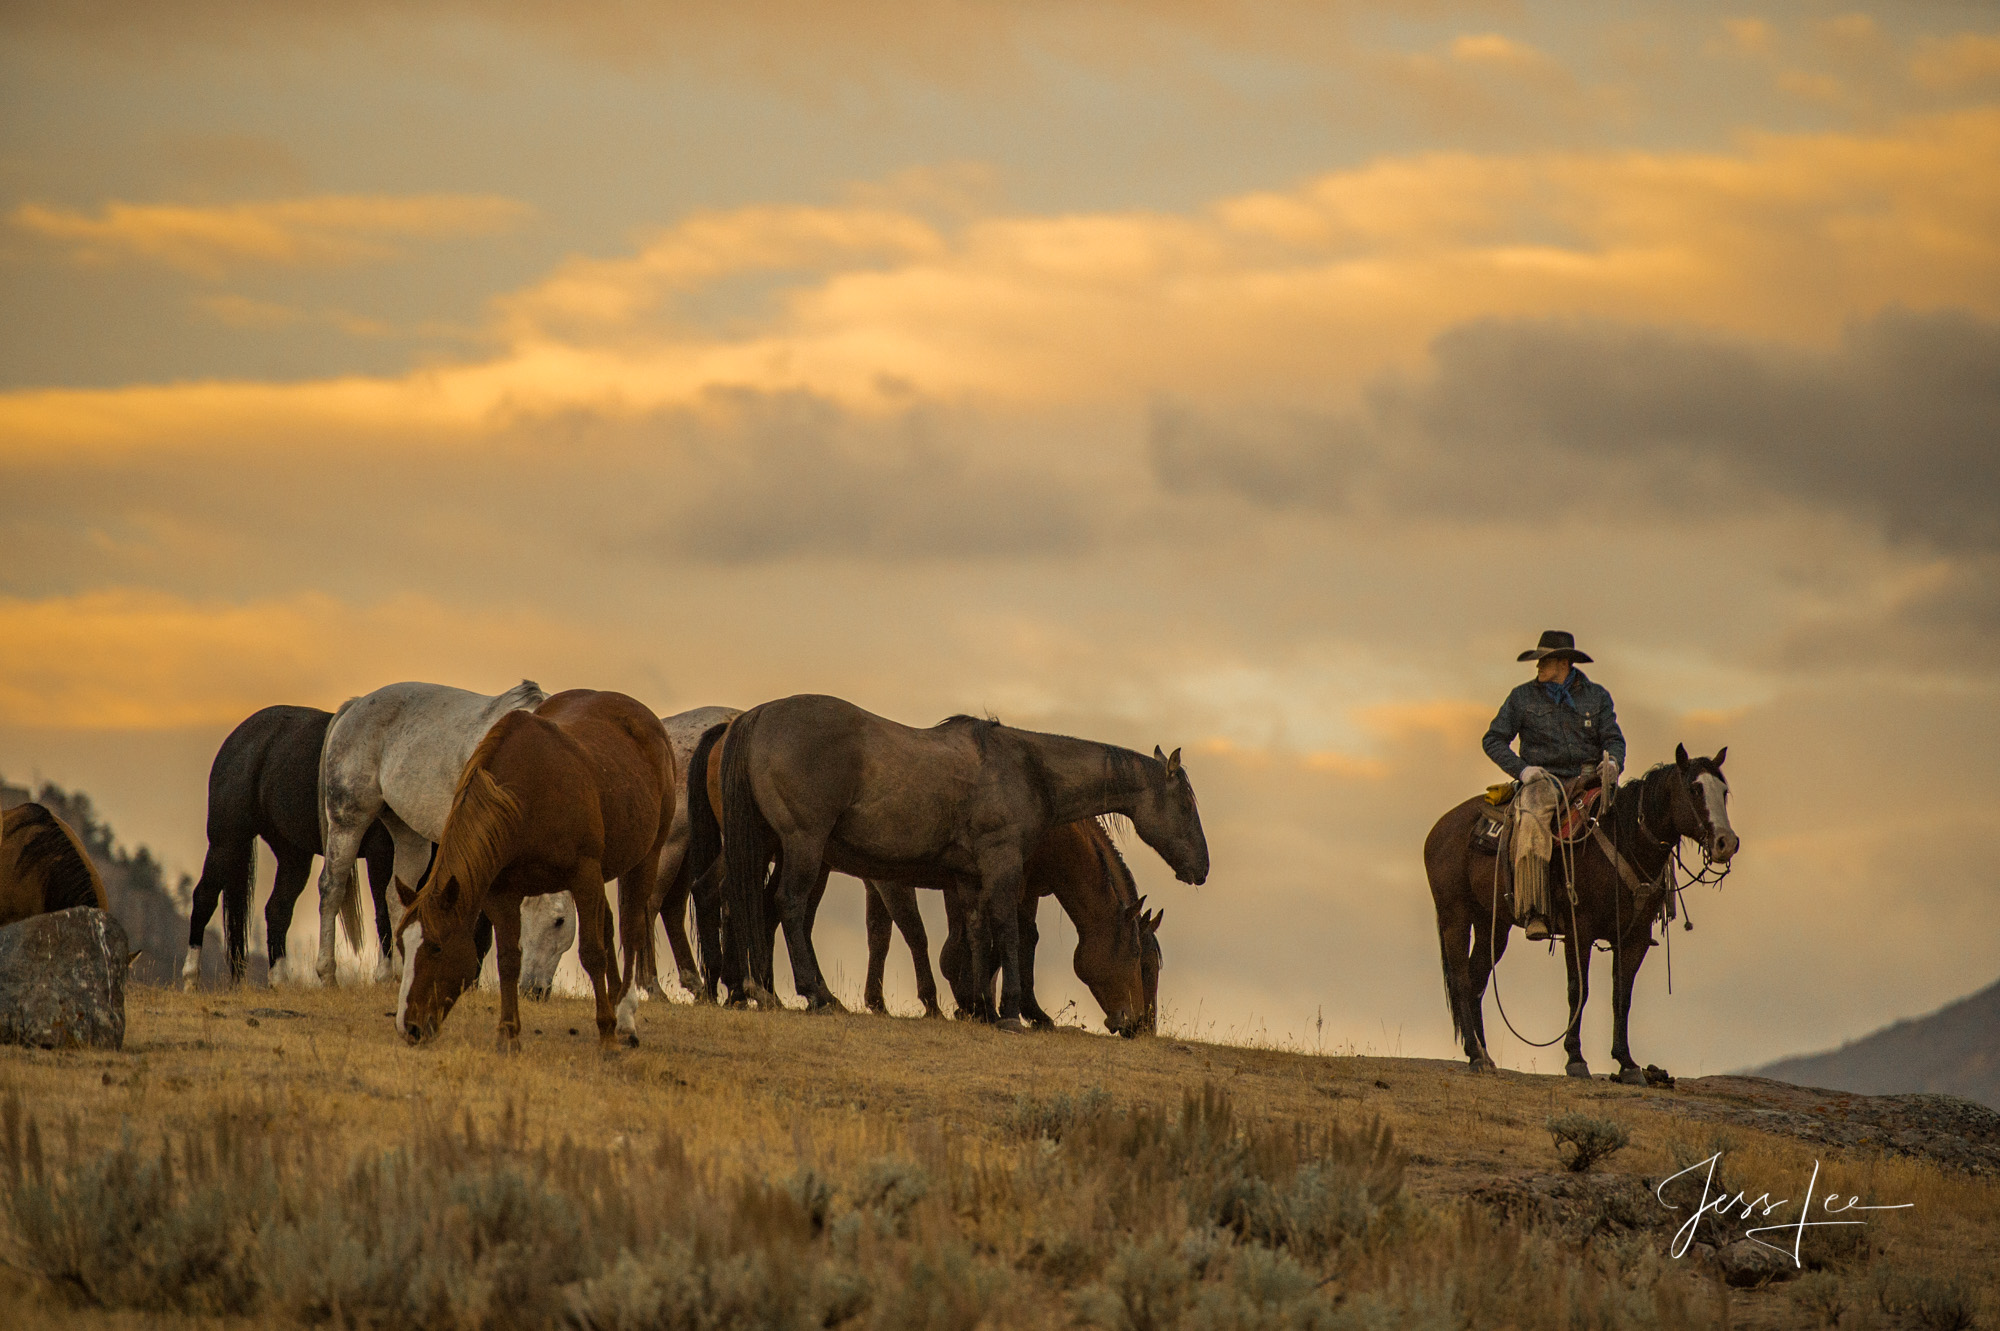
(1150,959)
(1166,818)
(548,927)
(1703,815)
(440,960)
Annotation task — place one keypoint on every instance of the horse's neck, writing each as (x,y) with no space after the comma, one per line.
(1653,836)
(1091,898)
(1083,778)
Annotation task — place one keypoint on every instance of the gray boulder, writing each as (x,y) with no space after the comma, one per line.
(1747,1264)
(62,980)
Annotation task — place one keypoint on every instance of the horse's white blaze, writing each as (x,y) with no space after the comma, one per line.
(1715,792)
(191,968)
(409,973)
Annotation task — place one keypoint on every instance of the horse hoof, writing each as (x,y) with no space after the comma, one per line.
(1010,1026)
(1632,1076)
(1484,1064)
(1579,1069)
(933,1013)
(629,1039)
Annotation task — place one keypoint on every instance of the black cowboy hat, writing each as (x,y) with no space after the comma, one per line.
(1555,642)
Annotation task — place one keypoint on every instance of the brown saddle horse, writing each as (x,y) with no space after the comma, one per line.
(560,799)
(1610,902)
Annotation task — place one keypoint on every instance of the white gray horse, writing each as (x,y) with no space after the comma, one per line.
(547,935)
(396,754)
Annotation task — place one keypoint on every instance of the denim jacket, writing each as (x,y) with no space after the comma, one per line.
(1563,739)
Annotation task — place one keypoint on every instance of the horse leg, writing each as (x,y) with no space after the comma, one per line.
(673,910)
(1030,935)
(379,853)
(706,891)
(1625,963)
(635,933)
(294,868)
(225,872)
(506,916)
(1466,967)
(901,900)
(998,935)
(345,828)
(802,885)
(593,945)
(880,926)
(955,957)
(1577,967)
(1489,944)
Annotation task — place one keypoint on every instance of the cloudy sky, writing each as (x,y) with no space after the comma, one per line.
(1258,379)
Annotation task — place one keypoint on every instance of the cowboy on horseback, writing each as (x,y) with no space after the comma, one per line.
(1567,727)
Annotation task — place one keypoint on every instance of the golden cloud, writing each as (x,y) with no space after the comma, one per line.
(1303,293)
(143,660)
(328,229)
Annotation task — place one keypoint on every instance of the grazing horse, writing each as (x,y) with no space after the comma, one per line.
(817,783)
(43,865)
(265,783)
(545,940)
(560,799)
(1621,886)
(396,754)
(1117,940)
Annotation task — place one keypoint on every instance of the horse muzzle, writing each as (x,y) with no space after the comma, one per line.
(1725,847)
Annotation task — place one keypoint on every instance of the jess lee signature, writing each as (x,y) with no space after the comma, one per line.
(1721,1202)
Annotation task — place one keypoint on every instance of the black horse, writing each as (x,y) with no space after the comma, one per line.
(815,783)
(1613,902)
(265,783)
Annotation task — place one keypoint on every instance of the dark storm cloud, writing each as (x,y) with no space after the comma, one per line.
(1899,426)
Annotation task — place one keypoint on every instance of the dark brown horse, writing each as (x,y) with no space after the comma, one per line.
(1645,823)
(815,783)
(1117,953)
(561,799)
(43,865)
(1117,939)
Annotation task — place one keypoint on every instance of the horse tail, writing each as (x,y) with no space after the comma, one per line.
(350,906)
(236,893)
(747,848)
(53,853)
(704,840)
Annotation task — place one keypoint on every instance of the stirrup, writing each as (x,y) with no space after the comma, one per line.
(1536,927)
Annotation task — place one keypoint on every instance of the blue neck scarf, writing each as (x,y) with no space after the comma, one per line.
(1558,690)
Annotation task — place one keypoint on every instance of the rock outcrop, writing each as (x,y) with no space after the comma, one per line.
(62,980)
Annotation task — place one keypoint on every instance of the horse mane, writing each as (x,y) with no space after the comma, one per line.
(1625,811)
(1128,887)
(53,854)
(477,838)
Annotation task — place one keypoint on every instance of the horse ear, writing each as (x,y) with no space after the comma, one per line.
(1680,755)
(1720,754)
(405,895)
(448,895)
(1159,753)
(1153,921)
(1173,762)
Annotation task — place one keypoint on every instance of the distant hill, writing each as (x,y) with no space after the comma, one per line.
(1955,1051)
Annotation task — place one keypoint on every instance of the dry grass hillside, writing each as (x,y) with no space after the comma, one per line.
(264,1157)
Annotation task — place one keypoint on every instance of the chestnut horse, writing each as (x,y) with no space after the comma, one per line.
(43,865)
(1117,939)
(816,783)
(561,799)
(1645,823)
